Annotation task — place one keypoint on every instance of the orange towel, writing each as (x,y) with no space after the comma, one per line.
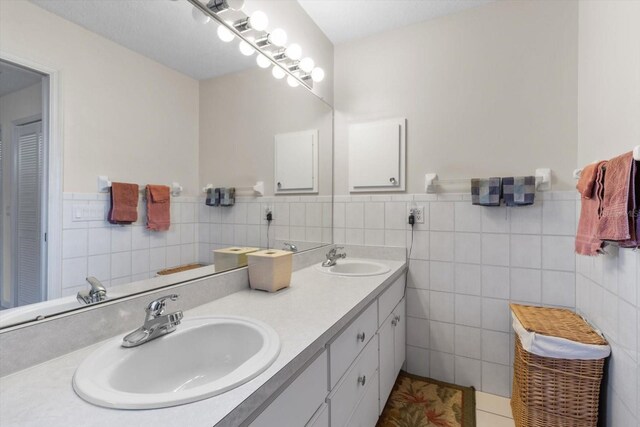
(587,242)
(158,207)
(587,180)
(124,203)
(614,221)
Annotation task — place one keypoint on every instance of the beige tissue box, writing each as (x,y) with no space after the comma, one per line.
(229,258)
(270,270)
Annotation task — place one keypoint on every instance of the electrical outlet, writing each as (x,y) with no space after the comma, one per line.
(418,213)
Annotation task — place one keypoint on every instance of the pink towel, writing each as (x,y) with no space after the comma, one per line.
(124,203)
(587,242)
(587,180)
(614,221)
(158,207)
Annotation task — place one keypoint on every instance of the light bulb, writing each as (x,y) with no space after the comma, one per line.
(294,51)
(258,21)
(306,64)
(263,61)
(292,82)
(317,75)
(246,49)
(277,72)
(224,34)
(278,37)
(200,17)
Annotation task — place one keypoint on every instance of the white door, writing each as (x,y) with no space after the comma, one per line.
(400,336)
(29,193)
(387,363)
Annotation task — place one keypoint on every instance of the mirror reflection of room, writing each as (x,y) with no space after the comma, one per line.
(23,197)
(151,175)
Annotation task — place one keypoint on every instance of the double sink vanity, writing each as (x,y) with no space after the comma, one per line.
(325,351)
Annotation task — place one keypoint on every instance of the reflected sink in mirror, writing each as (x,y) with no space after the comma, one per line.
(355,267)
(204,357)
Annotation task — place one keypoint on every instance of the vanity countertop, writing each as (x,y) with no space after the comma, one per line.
(306,316)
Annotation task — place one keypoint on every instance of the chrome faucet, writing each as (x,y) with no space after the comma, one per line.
(290,247)
(156,324)
(334,255)
(97,292)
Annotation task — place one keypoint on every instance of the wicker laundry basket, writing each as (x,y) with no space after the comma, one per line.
(556,391)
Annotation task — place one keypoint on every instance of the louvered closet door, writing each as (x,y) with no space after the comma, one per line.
(28,245)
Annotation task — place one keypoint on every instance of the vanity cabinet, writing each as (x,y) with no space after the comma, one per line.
(298,403)
(350,382)
(392,335)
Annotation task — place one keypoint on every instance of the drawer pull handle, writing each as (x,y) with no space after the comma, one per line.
(362,379)
(361,337)
(398,319)
(394,322)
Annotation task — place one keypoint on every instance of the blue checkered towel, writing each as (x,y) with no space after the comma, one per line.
(519,191)
(486,192)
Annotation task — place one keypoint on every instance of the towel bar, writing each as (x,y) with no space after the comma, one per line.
(431,181)
(104,184)
(257,189)
(636,157)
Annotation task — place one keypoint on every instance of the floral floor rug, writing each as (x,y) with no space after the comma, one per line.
(422,402)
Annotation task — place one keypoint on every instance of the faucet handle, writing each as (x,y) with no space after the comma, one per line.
(156,307)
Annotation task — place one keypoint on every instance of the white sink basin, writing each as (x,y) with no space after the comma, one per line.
(204,357)
(355,267)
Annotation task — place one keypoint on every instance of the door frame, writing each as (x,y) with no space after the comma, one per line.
(52,131)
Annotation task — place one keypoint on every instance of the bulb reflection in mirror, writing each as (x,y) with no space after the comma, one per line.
(294,51)
(235,4)
(317,75)
(224,34)
(307,64)
(258,21)
(262,61)
(246,49)
(292,82)
(278,72)
(278,37)
(199,17)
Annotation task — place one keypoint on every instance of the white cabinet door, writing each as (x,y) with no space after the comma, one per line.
(377,156)
(387,362)
(400,336)
(296,162)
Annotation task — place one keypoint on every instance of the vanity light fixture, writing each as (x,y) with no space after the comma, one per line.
(278,72)
(217,6)
(225,34)
(307,64)
(245,48)
(263,61)
(287,60)
(293,51)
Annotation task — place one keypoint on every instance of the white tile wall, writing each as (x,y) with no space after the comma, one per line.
(467,264)
(607,295)
(118,254)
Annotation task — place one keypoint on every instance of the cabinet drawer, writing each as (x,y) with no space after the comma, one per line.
(350,343)
(300,400)
(321,418)
(366,414)
(344,399)
(390,298)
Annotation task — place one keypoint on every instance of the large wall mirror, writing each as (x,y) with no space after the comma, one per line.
(145,92)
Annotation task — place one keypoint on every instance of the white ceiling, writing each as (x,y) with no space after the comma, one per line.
(14,78)
(345,20)
(162,30)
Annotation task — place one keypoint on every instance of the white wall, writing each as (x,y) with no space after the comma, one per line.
(239,116)
(488,91)
(124,115)
(21,104)
(609,125)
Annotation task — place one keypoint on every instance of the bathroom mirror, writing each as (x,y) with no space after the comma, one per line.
(156,98)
